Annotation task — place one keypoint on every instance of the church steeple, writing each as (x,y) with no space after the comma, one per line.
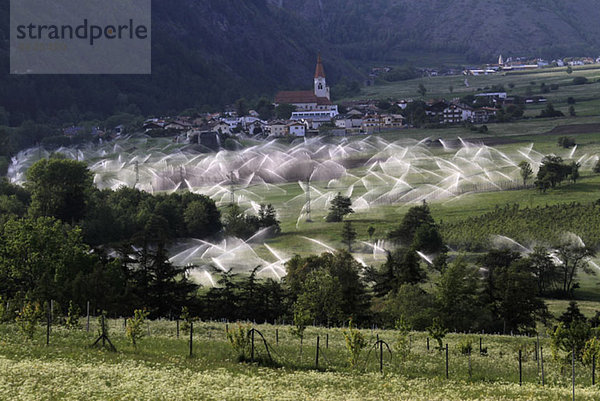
(320,71)
(321,89)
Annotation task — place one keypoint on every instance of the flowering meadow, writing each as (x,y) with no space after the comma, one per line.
(160,368)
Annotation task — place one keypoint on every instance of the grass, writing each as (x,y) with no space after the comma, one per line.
(439,87)
(161,369)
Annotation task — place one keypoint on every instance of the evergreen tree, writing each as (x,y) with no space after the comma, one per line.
(341,206)
(526,171)
(402,267)
(348,235)
(267,216)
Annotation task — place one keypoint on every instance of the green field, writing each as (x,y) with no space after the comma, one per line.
(160,368)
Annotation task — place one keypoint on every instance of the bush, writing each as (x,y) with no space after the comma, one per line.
(135,326)
(29,317)
(566,142)
(73,315)
(240,341)
(465,346)
(571,100)
(402,345)
(580,81)
(437,332)
(355,343)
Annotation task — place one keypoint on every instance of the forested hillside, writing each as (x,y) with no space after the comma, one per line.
(208,53)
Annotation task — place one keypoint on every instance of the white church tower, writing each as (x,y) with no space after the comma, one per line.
(321,88)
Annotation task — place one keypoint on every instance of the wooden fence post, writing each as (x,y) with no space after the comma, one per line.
(520,369)
(447,375)
(317,357)
(542,363)
(470,369)
(48,322)
(593,369)
(573,370)
(381,358)
(252,353)
(88,317)
(191,339)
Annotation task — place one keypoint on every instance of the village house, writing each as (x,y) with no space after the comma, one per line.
(435,111)
(392,120)
(296,129)
(371,122)
(351,120)
(277,128)
(457,113)
(483,115)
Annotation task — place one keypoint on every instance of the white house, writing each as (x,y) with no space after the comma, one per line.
(278,128)
(457,113)
(297,129)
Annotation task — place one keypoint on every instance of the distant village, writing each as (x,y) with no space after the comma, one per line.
(313,113)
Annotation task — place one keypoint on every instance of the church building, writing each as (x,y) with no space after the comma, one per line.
(314,105)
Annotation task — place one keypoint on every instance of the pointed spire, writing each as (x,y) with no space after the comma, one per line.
(320,72)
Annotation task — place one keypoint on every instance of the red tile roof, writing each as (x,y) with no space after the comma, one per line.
(300,97)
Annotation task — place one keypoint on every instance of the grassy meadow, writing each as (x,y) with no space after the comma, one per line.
(161,369)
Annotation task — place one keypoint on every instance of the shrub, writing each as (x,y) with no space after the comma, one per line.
(186,319)
(402,345)
(73,315)
(355,343)
(437,332)
(566,339)
(29,317)
(566,142)
(465,346)
(240,341)
(591,350)
(580,81)
(135,326)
